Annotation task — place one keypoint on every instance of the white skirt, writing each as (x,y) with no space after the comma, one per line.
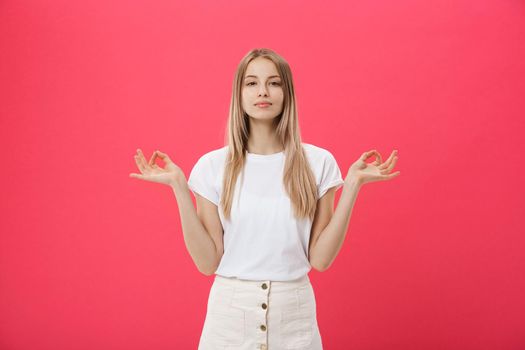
(267,315)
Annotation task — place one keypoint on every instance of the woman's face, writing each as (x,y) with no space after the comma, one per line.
(262,83)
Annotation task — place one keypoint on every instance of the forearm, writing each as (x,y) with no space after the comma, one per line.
(331,239)
(198,242)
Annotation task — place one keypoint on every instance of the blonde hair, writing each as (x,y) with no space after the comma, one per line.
(298,178)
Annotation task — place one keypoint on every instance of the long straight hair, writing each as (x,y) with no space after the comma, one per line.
(298,178)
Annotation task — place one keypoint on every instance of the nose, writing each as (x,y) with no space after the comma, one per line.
(262,90)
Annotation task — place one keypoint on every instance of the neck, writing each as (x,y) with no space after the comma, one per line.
(263,138)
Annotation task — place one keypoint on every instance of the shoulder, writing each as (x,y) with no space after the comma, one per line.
(316,153)
(215,157)
(208,166)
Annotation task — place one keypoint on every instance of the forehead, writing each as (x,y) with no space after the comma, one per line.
(261,67)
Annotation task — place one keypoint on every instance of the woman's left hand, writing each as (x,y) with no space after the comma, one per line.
(363,172)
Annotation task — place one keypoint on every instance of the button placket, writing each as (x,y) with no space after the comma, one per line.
(262,333)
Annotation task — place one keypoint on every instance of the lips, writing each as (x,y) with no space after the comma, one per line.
(263,102)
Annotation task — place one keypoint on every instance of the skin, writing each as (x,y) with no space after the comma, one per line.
(262,83)
(202,228)
(330,227)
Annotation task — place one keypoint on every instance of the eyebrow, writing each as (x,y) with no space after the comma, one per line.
(254,76)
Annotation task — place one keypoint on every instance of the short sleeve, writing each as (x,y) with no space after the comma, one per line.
(201,180)
(331,175)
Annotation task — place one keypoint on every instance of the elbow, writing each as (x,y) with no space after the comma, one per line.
(318,266)
(210,267)
(208,271)
(322,268)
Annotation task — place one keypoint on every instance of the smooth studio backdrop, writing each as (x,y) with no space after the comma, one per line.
(93,259)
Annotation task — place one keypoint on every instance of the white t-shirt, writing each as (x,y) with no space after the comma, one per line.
(262,239)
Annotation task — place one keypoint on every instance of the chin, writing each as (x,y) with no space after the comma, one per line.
(264,116)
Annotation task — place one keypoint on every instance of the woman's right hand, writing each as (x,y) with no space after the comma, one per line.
(152,172)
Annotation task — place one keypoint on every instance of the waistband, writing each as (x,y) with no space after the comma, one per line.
(252,284)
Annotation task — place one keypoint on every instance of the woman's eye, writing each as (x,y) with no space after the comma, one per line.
(274,82)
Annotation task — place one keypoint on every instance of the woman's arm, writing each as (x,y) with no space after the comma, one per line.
(327,242)
(328,234)
(202,229)
(198,241)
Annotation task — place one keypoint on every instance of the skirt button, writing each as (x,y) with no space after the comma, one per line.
(263,327)
(264,306)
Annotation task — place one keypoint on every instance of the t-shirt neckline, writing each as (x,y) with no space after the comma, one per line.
(264,156)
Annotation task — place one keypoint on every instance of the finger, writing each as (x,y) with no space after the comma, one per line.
(368,154)
(163,156)
(392,164)
(378,159)
(396,174)
(152,159)
(142,158)
(139,163)
(143,161)
(144,167)
(388,162)
(136,176)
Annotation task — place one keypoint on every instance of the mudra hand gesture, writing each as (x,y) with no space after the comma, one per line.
(364,172)
(150,171)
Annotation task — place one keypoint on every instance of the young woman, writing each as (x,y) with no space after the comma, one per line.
(264,213)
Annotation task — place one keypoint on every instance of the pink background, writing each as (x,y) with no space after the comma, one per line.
(93,259)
